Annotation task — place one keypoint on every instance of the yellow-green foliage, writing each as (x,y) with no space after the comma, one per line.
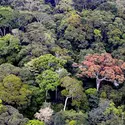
(73,122)
(13,91)
(2,107)
(35,122)
(6,15)
(46,62)
(91,91)
(103,95)
(97,32)
(74,19)
(116,111)
(9,43)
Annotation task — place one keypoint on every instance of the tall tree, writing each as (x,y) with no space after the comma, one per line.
(48,80)
(13,91)
(9,47)
(102,67)
(73,89)
(46,62)
(7,19)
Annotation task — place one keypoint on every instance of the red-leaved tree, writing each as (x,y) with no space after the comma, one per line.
(102,67)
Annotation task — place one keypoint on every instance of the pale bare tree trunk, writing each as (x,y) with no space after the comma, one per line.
(65,103)
(98,81)
(1,32)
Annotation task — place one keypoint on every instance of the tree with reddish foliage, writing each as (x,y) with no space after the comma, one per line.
(102,67)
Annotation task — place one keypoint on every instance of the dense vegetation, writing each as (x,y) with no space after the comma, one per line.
(62,62)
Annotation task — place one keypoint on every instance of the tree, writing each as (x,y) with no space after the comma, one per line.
(90,4)
(73,89)
(9,47)
(107,114)
(13,91)
(102,67)
(115,34)
(31,5)
(11,116)
(67,117)
(64,6)
(116,95)
(48,80)
(71,30)
(46,62)
(61,53)
(37,99)
(97,115)
(7,19)
(44,114)
(93,97)
(7,69)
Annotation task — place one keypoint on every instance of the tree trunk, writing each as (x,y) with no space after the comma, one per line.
(98,81)
(56,94)
(46,95)
(1,33)
(4,31)
(65,103)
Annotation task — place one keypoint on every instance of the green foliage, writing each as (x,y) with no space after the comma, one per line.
(46,62)
(73,89)
(57,107)
(9,43)
(73,122)
(48,80)
(119,53)
(116,111)
(64,6)
(7,69)
(93,98)
(113,94)
(7,15)
(13,91)
(2,107)
(71,117)
(36,32)
(9,47)
(91,91)
(103,95)
(97,32)
(37,5)
(97,115)
(35,122)
(39,42)
(61,53)
(12,117)
(37,99)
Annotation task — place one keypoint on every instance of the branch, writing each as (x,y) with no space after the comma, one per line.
(106,79)
(115,83)
(97,75)
(103,79)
